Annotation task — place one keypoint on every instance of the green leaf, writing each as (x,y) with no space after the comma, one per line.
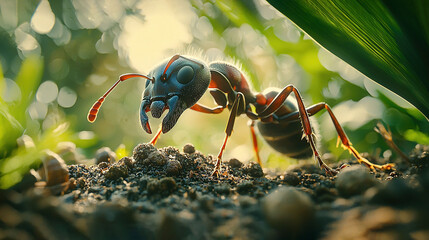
(416,136)
(13,168)
(386,40)
(28,80)
(2,82)
(13,115)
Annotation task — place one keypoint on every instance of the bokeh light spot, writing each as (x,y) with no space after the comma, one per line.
(66,97)
(26,42)
(47,92)
(38,110)
(43,19)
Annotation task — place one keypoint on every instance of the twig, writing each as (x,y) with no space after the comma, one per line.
(387,135)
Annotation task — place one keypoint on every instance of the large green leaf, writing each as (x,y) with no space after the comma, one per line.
(387,40)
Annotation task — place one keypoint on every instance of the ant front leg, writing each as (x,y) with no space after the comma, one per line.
(305,121)
(156,137)
(216,110)
(201,108)
(228,130)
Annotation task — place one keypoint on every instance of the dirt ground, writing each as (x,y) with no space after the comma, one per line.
(169,193)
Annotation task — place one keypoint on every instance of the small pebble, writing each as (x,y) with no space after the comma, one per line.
(254,170)
(291,178)
(81,182)
(105,154)
(223,189)
(142,151)
(235,163)
(116,171)
(206,203)
(143,181)
(173,168)
(247,201)
(289,211)
(244,187)
(155,158)
(354,180)
(189,148)
(153,187)
(103,165)
(167,184)
(396,192)
(53,168)
(128,162)
(191,194)
(72,183)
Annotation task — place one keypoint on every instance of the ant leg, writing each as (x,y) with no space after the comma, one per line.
(228,131)
(196,107)
(255,141)
(305,121)
(201,108)
(156,137)
(346,144)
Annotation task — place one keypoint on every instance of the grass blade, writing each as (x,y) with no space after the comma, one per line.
(385,40)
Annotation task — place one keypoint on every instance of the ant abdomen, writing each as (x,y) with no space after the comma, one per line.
(286,138)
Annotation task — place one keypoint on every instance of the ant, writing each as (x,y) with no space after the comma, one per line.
(178,83)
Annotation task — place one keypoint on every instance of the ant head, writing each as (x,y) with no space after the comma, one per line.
(176,84)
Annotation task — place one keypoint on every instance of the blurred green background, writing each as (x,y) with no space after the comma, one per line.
(58,57)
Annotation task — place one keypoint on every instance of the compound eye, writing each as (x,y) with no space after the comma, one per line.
(185,74)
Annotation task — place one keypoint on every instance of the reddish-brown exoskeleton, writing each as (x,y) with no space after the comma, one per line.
(178,83)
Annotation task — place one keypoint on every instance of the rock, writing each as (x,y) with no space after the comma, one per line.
(155,158)
(105,154)
(191,194)
(167,184)
(142,151)
(396,192)
(244,187)
(116,171)
(254,170)
(127,161)
(247,201)
(173,168)
(109,221)
(223,189)
(354,180)
(189,148)
(103,165)
(142,183)
(375,223)
(235,163)
(153,187)
(289,211)
(81,182)
(206,203)
(171,227)
(54,174)
(420,156)
(72,183)
(291,178)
